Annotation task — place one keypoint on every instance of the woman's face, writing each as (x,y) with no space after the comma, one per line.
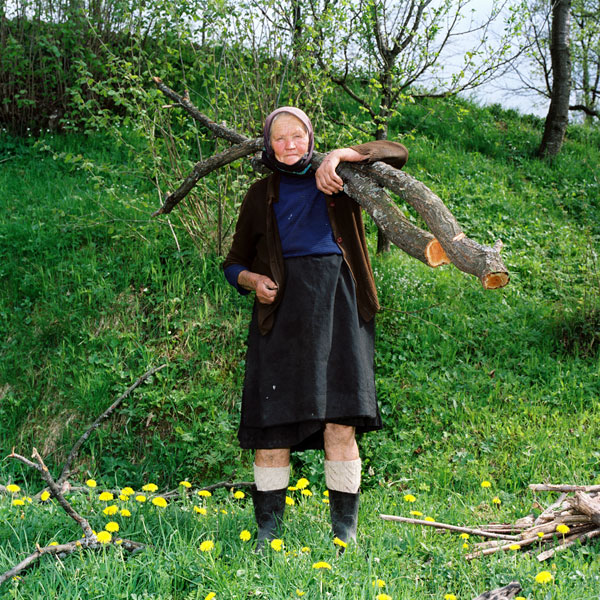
(289,139)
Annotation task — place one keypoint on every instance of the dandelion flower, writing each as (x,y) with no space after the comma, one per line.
(127,491)
(300,592)
(125,513)
(245,535)
(91,483)
(159,501)
(409,498)
(140,498)
(207,546)
(123,497)
(239,495)
(416,513)
(112,527)
(520,598)
(339,542)
(104,537)
(562,528)
(306,493)
(380,583)
(223,511)
(449,597)
(210,596)
(465,546)
(150,487)
(321,565)
(383,597)
(18,502)
(204,493)
(45,495)
(289,501)
(514,547)
(53,544)
(106,497)
(486,484)
(292,488)
(200,510)
(13,488)
(496,500)
(430,519)
(185,484)
(326,493)
(110,510)
(540,534)
(465,536)
(302,483)
(325,500)
(305,549)
(277,544)
(543,577)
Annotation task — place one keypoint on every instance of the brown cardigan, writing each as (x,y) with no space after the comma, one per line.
(256,244)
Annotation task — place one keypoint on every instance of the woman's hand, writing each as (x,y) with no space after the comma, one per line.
(328,181)
(265,288)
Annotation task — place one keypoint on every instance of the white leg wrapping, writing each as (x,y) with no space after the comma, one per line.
(343,475)
(271,478)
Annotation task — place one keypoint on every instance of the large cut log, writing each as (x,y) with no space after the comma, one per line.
(365,184)
(588,506)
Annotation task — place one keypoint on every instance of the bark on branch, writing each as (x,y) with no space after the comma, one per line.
(365,184)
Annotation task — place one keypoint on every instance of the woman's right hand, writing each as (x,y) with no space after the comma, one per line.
(265,288)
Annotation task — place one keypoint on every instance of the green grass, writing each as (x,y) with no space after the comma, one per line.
(500,385)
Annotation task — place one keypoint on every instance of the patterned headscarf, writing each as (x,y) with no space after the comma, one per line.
(268,155)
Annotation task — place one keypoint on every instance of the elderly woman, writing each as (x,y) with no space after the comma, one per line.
(300,246)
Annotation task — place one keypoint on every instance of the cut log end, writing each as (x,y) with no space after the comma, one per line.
(493,281)
(435,254)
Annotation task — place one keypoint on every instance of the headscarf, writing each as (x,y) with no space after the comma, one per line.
(268,155)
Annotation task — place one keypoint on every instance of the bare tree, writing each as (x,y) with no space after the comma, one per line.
(560,53)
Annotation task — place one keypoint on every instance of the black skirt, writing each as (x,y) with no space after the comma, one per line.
(315,366)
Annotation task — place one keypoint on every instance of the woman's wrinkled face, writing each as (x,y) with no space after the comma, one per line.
(289,139)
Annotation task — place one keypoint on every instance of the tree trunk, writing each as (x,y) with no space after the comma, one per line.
(558,113)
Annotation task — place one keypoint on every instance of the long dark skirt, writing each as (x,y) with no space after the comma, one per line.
(315,366)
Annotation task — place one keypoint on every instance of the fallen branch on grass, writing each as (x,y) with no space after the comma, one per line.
(365,184)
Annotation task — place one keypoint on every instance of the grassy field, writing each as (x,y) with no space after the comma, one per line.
(500,386)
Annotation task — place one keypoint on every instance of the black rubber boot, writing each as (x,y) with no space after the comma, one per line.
(343,508)
(268,511)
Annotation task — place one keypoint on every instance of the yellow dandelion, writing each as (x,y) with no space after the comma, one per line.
(300,592)
(200,510)
(465,536)
(112,527)
(13,488)
(210,596)
(150,487)
(104,537)
(326,493)
(245,535)
(106,497)
(28,499)
(520,598)
(239,495)
(118,542)
(339,542)
(540,534)
(325,500)
(302,483)
(383,597)
(159,501)
(380,583)
(430,519)
(496,500)
(123,497)
(306,493)
(321,565)
(18,502)
(53,544)
(305,549)
(292,488)
(486,484)
(91,483)
(562,528)
(449,597)
(277,544)
(544,577)
(289,501)
(416,513)
(185,484)
(204,493)
(465,546)
(140,498)
(223,511)
(409,498)
(207,546)
(45,495)
(110,510)
(514,547)
(125,513)
(127,491)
